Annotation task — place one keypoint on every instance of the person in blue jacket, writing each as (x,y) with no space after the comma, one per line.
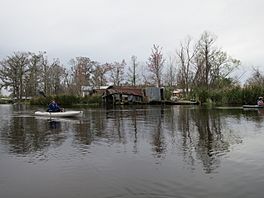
(54,107)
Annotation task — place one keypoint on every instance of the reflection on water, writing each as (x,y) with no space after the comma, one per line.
(153,149)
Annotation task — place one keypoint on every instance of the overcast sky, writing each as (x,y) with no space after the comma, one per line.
(112,30)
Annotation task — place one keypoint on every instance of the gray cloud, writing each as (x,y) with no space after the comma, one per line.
(112,30)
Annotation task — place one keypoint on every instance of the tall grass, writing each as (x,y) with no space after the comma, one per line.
(230,95)
(251,93)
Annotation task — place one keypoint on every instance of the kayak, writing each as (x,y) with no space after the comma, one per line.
(252,106)
(59,114)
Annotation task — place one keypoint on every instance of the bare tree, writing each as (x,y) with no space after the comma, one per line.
(117,73)
(202,60)
(33,76)
(155,64)
(223,65)
(256,79)
(185,57)
(99,77)
(57,77)
(13,72)
(170,75)
(132,71)
(211,64)
(82,72)
(45,75)
(52,77)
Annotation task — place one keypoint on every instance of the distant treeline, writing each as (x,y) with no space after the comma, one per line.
(199,68)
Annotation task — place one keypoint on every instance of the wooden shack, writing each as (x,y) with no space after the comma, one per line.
(122,95)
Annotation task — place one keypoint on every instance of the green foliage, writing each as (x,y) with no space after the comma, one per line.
(39,101)
(251,93)
(168,93)
(63,100)
(216,96)
(232,95)
(201,94)
(94,99)
(67,100)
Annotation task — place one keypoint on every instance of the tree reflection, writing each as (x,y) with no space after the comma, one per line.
(53,124)
(188,137)
(134,124)
(101,125)
(206,137)
(197,135)
(24,135)
(158,139)
(210,142)
(83,133)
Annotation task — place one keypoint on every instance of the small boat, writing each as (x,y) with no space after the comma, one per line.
(253,106)
(59,114)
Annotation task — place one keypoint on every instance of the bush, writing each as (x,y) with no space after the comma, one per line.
(216,96)
(67,100)
(202,94)
(63,100)
(233,96)
(168,93)
(94,99)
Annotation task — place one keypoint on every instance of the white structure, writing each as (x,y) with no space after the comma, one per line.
(86,90)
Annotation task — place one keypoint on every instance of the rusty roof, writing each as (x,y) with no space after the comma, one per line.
(125,90)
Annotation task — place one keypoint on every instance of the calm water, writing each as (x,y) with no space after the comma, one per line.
(173,151)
